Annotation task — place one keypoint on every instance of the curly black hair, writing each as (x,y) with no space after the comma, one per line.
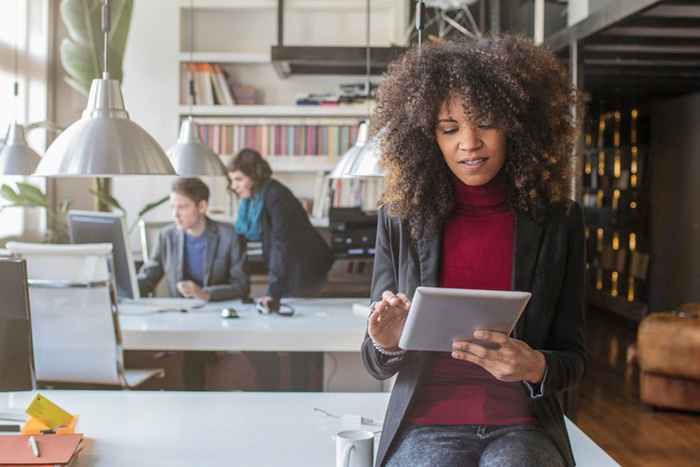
(505,81)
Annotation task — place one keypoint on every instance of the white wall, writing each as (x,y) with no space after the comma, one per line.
(150,88)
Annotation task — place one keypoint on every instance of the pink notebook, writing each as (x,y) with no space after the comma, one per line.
(53,449)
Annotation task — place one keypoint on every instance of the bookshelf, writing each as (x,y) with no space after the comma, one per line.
(616,202)
(238,36)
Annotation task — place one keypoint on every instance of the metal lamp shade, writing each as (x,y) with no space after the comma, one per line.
(104,142)
(366,165)
(191,157)
(16,157)
(342,168)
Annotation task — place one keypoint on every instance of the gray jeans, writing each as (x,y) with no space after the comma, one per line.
(474,445)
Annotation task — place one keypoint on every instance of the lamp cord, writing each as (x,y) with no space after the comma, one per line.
(15,87)
(190,76)
(106,27)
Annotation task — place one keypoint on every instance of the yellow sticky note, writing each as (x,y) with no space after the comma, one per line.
(48,413)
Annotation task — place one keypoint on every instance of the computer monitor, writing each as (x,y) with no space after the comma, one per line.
(16,350)
(108,227)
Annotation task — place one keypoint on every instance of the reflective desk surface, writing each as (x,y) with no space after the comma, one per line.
(318,324)
(144,428)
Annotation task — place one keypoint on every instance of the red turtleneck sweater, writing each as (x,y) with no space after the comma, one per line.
(477,253)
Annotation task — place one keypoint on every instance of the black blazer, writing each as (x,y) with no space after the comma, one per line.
(297,256)
(549,261)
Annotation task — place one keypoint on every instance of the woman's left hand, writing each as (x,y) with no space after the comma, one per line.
(513,361)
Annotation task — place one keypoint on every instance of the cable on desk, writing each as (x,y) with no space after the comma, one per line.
(347,418)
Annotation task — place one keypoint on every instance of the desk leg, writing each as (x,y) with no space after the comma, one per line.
(344,372)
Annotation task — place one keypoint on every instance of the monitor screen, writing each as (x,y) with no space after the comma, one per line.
(108,227)
(16,352)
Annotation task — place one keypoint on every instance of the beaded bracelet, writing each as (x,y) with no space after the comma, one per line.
(388,353)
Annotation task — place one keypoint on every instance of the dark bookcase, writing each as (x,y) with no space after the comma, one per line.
(615,198)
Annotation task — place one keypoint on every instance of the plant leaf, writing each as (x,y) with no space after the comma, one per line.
(32,195)
(153,205)
(47,124)
(107,199)
(122,11)
(82,53)
(65,206)
(7,192)
(80,72)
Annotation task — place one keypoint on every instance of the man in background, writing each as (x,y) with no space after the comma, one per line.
(200,258)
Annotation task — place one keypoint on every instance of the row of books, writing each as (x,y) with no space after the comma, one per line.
(207,84)
(278,139)
(362,193)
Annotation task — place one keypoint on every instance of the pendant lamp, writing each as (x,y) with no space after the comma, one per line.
(342,168)
(16,157)
(366,164)
(104,142)
(189,156)
(348,166)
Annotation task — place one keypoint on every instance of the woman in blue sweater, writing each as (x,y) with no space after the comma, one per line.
(297,256)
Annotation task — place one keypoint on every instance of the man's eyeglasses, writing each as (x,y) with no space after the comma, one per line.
(274,307)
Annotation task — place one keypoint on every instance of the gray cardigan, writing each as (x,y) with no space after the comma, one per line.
(225,270)
(549,261)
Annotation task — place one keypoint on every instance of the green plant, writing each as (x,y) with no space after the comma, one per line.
(107,199)
(82,52)
(28,195)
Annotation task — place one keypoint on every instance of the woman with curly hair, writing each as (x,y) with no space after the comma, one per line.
(477,138)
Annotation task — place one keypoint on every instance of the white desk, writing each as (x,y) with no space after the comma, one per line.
(245,429)
(326,325)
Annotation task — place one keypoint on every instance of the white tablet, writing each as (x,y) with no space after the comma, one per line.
(439,316)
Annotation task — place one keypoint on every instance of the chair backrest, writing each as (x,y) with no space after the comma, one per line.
(75,325)
(148,231)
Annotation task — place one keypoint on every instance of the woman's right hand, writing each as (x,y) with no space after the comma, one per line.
(387,321)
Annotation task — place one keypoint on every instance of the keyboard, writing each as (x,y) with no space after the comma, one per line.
(162,303)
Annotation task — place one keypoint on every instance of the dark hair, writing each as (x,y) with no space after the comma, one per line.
(505,81)
(250,162)
(193,188)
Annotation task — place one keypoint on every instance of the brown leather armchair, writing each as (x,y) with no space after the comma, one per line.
(668,353)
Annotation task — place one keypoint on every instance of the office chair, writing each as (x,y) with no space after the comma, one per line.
(148,233)
(75,321)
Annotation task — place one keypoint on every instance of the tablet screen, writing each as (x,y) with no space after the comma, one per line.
(439,316)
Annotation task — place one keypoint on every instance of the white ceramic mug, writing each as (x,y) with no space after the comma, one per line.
(354,448)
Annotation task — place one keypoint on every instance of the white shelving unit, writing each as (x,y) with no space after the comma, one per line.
(351,111)
(239,34)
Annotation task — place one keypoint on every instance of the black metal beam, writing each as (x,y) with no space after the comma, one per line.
(312,60)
